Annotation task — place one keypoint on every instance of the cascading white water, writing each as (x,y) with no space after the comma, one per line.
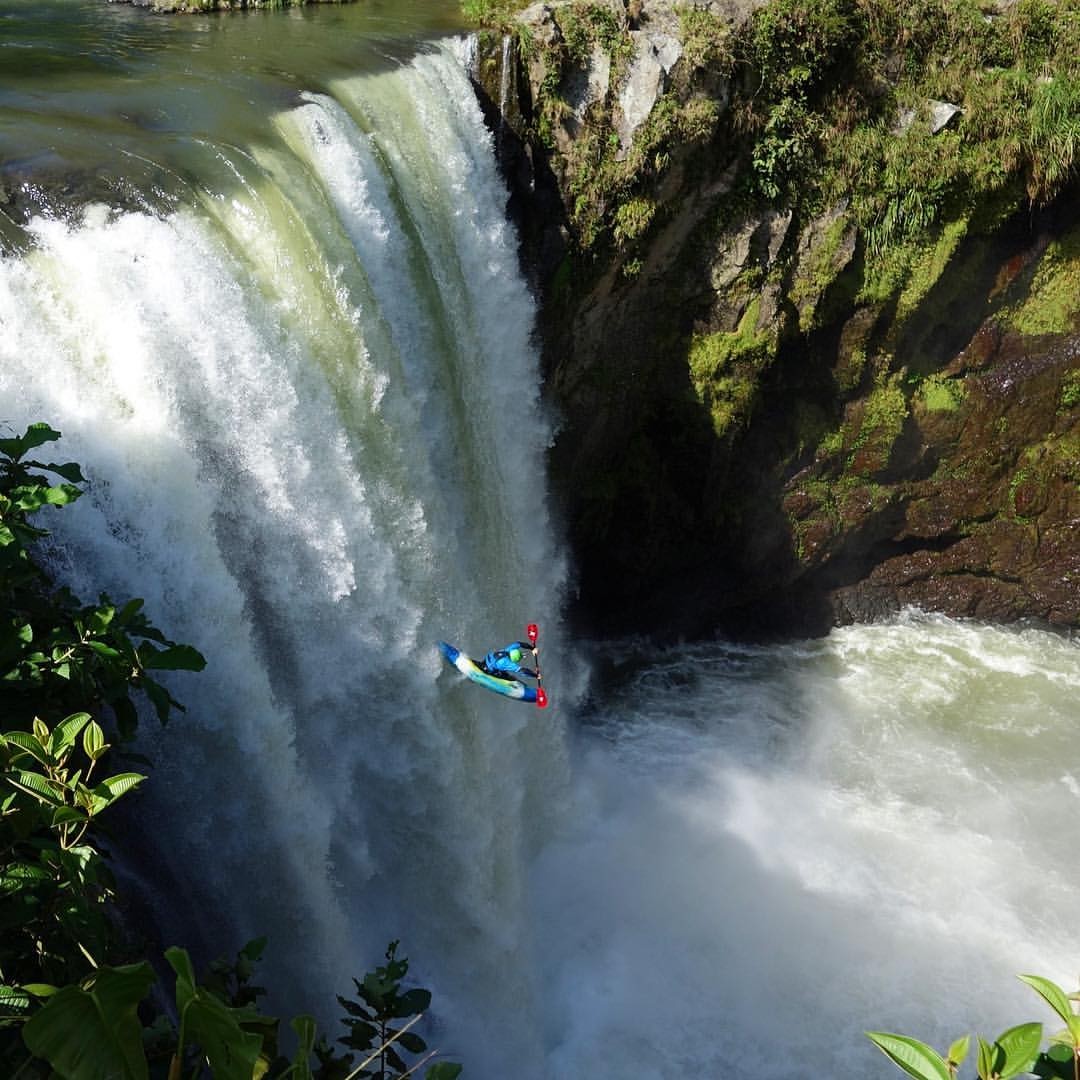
(783,847)
(307,405)
(309,410)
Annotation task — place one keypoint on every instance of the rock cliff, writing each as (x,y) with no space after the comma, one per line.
(810,278)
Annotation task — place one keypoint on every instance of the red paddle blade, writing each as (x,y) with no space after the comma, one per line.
(532,632)
(541,698)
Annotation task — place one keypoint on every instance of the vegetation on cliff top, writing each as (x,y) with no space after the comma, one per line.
(833,101)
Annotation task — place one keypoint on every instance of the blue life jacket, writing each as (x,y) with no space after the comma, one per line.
(499,659)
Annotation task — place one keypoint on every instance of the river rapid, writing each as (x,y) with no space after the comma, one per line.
(256,268)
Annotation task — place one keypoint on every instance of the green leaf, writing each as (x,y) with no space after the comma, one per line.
(67,815)
(94,1033)
(127,718)
(100,619)
(413,1002)
(1057,1061)
(412,1042)
(30,745)
(28,498)
(69,470)
(363,1034)
(231,1052)
(443,1070)
(94,743)
(61,494)
(1056,998)
(14,998)
(129,611)
(66,732)
(110,789)
(121,783)
(159,697)
(914,1057)
(253,950)
(35,435)
(42,789)
(40,990)
(107,652)
(990,1058)
(305,1029)
(174,658)
(959,1050)
(1020,1046)
(16,876)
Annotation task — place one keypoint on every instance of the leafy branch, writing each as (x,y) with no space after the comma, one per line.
(1015,1052)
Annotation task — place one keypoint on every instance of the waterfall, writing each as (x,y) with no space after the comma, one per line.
(308,409)
(301,384)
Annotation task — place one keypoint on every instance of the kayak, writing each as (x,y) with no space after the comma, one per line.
(509,686)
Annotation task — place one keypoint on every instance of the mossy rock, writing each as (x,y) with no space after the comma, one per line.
(1052,305)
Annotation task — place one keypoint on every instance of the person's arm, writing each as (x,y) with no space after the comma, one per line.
(527,647)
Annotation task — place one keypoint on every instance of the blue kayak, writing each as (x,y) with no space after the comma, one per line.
(508,687)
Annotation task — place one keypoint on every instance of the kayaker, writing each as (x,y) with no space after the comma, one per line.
(505,662)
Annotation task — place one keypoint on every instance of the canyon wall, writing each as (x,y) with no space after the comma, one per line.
(809,291)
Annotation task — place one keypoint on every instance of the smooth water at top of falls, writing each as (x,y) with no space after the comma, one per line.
(95,90)
(290,346)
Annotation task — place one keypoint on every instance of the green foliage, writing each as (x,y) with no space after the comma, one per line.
(56,655)
(914,1057)
(55,883)
(67,672)
(1052,303)
(706,38)
(1070,390)
(584,25)
(92,1031)
(786,146)
(373,1028)
(941,394)
(791,47)
(1015,1052)
(231,1051)
(724,368)
(792,44)
(632,219)
(496,14)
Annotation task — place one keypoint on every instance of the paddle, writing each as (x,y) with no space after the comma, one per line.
(532,631)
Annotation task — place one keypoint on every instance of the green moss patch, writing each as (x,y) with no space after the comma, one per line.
(1070,390)
(724,368)
(1053,302)
(941,394)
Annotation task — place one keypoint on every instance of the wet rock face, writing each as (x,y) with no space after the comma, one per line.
(992,531)
(752,438)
